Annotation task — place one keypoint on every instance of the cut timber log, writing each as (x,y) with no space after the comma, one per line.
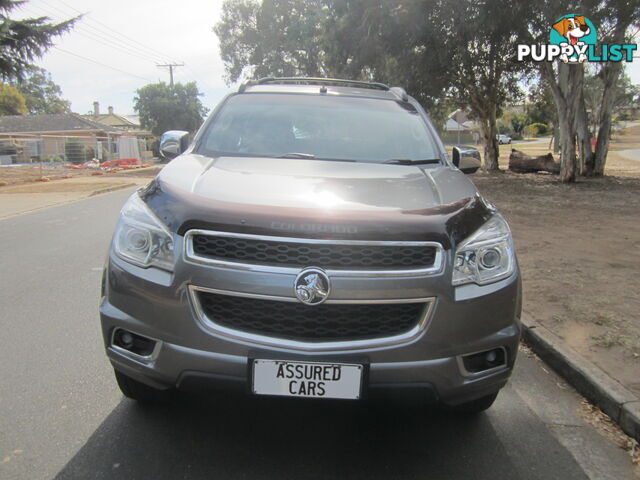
(520,162)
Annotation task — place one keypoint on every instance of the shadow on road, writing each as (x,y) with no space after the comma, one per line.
(245,437)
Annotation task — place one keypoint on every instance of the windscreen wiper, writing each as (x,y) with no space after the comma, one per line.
(297,155)
(408,161)
(311,156)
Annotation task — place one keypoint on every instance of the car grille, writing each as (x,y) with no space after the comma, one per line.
(332,256)
(295,321)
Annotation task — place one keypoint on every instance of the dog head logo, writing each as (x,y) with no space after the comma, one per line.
(572,39)
(575,31)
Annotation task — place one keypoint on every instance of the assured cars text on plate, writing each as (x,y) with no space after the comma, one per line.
(307,379)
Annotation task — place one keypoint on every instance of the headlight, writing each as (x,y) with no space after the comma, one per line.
(141,238)
(486,256)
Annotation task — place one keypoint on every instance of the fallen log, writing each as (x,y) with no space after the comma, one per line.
(520,162)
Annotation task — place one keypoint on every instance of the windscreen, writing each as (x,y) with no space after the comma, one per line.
(320,127)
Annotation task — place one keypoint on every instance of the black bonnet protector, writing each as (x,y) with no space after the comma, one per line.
(447,224)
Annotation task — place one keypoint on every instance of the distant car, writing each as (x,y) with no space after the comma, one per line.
(502,139)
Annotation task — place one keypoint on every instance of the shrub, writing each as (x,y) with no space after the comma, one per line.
(74,150)
(623,117)
(540,128)
(503,129)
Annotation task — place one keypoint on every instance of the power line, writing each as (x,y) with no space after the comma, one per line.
(102,38)
(99,35)
(110,30)
(102,64)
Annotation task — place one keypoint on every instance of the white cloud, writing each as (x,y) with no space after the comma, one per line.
(132,36)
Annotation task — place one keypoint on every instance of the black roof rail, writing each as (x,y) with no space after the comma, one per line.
(400,93)
(243,86)
(314,81)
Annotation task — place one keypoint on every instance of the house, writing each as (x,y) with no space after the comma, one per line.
(27,138)
(458,129)
(127,123)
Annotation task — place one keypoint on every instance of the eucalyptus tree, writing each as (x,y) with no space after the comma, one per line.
(23,41)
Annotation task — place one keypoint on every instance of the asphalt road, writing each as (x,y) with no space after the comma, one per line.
(61,415)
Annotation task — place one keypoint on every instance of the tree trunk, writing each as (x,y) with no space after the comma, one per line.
(610,78)
(490,133)
(485,111)
(555,139)
(566,127)
(585,154)
(520,162)
(565,88)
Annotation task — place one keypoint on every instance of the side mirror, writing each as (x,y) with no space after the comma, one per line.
(466,162)
(456,157)
(173,143)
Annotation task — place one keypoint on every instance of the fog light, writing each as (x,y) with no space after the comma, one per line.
(482,361)
(134,343)
(127,339)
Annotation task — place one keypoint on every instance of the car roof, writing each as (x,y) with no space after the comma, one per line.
(325,86)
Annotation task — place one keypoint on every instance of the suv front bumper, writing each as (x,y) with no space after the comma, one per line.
(188,355)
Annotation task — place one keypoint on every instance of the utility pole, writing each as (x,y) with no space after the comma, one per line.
(171,66)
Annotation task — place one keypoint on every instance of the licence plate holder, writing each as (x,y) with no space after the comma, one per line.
(307,379)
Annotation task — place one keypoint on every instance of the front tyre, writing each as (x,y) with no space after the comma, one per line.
(138,391)
(475,406)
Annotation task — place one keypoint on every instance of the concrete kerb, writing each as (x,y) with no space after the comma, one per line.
(611,397)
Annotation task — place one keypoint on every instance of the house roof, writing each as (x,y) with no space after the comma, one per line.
(54,122)
(135,119)
(453,126)
(112,119)
(459,116)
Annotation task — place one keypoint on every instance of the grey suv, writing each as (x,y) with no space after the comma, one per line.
(314,239)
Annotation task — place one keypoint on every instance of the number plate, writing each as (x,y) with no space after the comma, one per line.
(306,379)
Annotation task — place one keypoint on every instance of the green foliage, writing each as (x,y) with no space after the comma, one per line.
(162,107)
(540,128)
(512,123)
(518,122)
(542,108)
(623,117)
(625,95)
(271,38)
(530,131)
(22,41)
(40,92)
(74,150)
(11,101)
(52,158)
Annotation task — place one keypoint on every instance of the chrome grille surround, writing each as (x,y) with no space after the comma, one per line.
(333,345)
(434,268)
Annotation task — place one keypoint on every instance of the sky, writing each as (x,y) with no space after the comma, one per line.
(129,39)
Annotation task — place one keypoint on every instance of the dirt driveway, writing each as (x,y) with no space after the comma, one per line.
(579,250)
(27,195)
